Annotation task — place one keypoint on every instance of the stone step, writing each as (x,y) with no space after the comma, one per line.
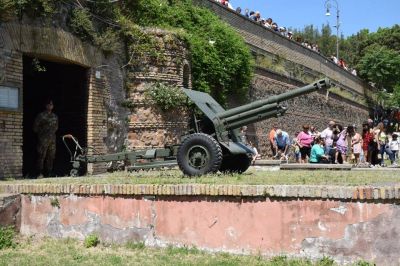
(310,166)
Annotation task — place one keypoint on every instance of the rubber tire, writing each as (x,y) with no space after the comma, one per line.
(235,163)
(206,143)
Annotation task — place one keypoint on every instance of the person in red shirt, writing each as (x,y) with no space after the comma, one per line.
(367,137)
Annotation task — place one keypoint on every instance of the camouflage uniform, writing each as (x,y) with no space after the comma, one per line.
(45,126)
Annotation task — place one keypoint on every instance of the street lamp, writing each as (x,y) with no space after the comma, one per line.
(328,6)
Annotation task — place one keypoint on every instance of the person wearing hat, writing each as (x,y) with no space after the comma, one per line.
(290,35)
(281,142)
(282,31)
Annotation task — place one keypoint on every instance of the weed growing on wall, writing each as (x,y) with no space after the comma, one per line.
(167,97)
(54,202)
(81,24)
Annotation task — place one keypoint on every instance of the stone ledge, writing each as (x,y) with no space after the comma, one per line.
(277,191)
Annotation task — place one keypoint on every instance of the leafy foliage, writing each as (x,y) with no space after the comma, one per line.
(82,25)
(376,55)
(7,235)
(165,96)
(381,65)
(394,99)
(221,62)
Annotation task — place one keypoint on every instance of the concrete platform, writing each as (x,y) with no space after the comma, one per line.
(309,166)
(394,169)
(267,162)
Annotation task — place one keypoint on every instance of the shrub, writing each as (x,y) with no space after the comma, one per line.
(7,235)
(167,97)
(91,240)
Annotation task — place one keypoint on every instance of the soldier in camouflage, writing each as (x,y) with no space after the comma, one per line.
(45,126)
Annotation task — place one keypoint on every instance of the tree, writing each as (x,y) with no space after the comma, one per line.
(327,42)
(394,100)
(381,65)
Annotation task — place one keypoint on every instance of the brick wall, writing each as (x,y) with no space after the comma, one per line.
(110,126)
(97,119)
(61,46)
(10,120)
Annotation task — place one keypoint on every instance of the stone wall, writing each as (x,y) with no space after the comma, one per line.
(148,124)
(259,37)
(110,127)
(312,109)
(345,223)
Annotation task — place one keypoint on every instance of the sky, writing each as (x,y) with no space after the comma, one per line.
(354,15)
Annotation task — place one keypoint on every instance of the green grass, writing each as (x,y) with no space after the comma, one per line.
(250,177)
(72,252)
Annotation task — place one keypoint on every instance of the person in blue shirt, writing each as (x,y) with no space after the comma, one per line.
(317,152)
(281,142)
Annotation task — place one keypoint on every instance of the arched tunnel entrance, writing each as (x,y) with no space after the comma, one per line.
(67,85)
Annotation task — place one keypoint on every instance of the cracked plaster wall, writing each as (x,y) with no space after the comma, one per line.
(345,231)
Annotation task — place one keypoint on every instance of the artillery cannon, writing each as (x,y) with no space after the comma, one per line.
(215,144)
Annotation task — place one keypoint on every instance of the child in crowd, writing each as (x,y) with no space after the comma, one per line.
(296,147)
(256,155)
(356,143)
(394,146)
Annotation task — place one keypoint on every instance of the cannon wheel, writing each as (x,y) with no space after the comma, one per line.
(199,154)
(74,172)
(236,163)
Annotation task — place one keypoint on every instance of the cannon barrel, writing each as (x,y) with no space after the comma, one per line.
(235,113)
(268,114)
(250,113)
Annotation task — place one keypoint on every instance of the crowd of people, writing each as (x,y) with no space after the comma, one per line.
(337,144)
(271,24)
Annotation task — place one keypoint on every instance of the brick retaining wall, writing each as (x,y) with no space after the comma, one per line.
(360,193)
(345,223)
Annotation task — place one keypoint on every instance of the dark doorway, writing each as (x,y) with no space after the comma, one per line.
(67,85)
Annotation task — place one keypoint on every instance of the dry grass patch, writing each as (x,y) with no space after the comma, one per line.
(48,251)
(251,177)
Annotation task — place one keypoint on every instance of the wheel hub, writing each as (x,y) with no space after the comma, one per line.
(198,157)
